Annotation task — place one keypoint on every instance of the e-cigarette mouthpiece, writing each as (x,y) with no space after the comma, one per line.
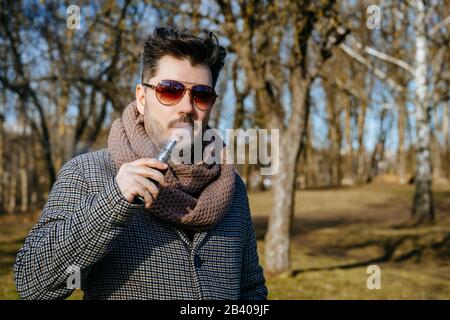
(165,153)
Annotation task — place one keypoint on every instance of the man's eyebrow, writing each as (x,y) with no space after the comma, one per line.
(182,81)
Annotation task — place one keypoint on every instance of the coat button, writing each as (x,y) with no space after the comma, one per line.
(198,261)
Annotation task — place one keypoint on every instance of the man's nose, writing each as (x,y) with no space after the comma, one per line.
(186,105)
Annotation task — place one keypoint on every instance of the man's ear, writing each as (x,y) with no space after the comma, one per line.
(140,98)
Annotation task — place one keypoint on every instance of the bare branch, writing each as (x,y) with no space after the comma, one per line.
(378,72)
(383,56)
(438,26)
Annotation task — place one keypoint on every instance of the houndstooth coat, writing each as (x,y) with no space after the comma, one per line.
(122,252)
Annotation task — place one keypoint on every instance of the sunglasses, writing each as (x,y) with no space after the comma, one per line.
(170,92)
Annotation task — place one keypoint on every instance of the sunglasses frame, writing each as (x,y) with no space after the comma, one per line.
(154,87)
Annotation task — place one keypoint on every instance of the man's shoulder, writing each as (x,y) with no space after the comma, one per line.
(239,183)
(92,161)
(240,189)
(97,155)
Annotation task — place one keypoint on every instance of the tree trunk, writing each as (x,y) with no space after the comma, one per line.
(335,137)
(309,159)
(401,141)
(278,236)
(34,169)
(378,152)
(437,172)
(12,182)
(423,208)
(33,181)
(349,179)
(445,129)
(60,137)
(2,163)
(23,178)
(361,147)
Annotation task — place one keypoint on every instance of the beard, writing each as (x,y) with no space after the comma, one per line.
(160,134)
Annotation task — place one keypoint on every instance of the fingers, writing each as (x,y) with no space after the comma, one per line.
(150,162)
(141,192)
(148,198)
(150,188)
(149,185)
(148,173)
(134,177)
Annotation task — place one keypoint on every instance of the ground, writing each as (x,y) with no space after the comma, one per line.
(337,233)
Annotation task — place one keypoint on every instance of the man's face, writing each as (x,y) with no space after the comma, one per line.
(161,120)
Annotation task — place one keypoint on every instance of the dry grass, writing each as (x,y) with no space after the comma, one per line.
(337,234)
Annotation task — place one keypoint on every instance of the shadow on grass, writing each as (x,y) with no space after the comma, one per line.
(393,251)
(301,225)
(344,266)
(389,248)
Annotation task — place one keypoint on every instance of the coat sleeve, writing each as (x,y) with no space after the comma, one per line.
(75,230)
(252,280)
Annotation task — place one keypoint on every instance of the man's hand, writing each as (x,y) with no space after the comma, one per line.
(133,181)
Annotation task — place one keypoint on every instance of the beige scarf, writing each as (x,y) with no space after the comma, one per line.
(195,196)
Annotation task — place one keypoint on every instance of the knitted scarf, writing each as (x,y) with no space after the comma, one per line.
(195,196)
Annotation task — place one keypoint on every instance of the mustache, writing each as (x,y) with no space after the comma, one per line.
(183,119)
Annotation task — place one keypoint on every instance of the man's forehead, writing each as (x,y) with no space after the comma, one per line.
(182,70)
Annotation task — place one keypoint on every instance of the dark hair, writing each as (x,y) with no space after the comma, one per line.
(182,44)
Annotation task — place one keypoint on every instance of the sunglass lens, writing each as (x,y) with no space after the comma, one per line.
(169,92)
(203,96)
